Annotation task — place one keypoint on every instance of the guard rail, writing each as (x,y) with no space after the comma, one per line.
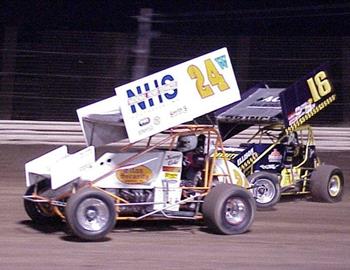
(70,133)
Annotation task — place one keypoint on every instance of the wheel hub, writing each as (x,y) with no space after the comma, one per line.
(92,214)
(262,190)
(265,191)
(235,211)
(334,185)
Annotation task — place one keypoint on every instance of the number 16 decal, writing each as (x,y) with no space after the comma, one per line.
(213,75)
(319,86)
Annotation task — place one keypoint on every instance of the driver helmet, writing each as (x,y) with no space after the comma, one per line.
(187,143)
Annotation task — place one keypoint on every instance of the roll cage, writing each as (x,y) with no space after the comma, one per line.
(297,163)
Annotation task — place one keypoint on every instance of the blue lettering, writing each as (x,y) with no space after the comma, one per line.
(148,94)
(150,100)
(142,104)
(159,96)
(164,80)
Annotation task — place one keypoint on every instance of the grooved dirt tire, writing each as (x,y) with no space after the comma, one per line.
(90,214)
(229,209)
(267,190)
(327,184)
(39,212)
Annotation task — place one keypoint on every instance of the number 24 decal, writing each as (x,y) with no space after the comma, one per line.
(214,77)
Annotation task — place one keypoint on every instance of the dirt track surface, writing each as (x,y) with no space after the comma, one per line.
(297,234)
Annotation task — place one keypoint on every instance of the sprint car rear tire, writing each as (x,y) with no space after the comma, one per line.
(90,214)
(229,209)
(327,184)
(40,213)
(267,191)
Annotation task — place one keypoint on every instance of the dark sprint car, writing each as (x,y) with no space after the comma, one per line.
(280,158)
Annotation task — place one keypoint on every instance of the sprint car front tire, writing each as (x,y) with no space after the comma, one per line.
(90,214)
(39,212)
(229,209)
(267,189)
(327,184)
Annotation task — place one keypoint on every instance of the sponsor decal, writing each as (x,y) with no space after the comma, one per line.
(249,162)
(246,155)
(172,159)
(171,176)
(166,91)
(138,175)
(145,130)
(247,159)
(178,111)
(225,155)
(144,121)
(310,114)
(300,111)
(266,102)
(171,169)
(254,118)
(275,156)
(221,61)
(156,120)
(269,166)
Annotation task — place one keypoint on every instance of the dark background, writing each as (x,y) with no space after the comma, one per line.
(184,17)
(57,56)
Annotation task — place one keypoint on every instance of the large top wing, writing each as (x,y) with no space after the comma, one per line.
(307,97)
(290,106)
(259,105)
(178,94)
(162,100)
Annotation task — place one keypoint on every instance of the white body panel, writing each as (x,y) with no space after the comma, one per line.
(164,179)
(59,166)
(108,165)
(159,171)
(167,190)
(71,167)
(40,167)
